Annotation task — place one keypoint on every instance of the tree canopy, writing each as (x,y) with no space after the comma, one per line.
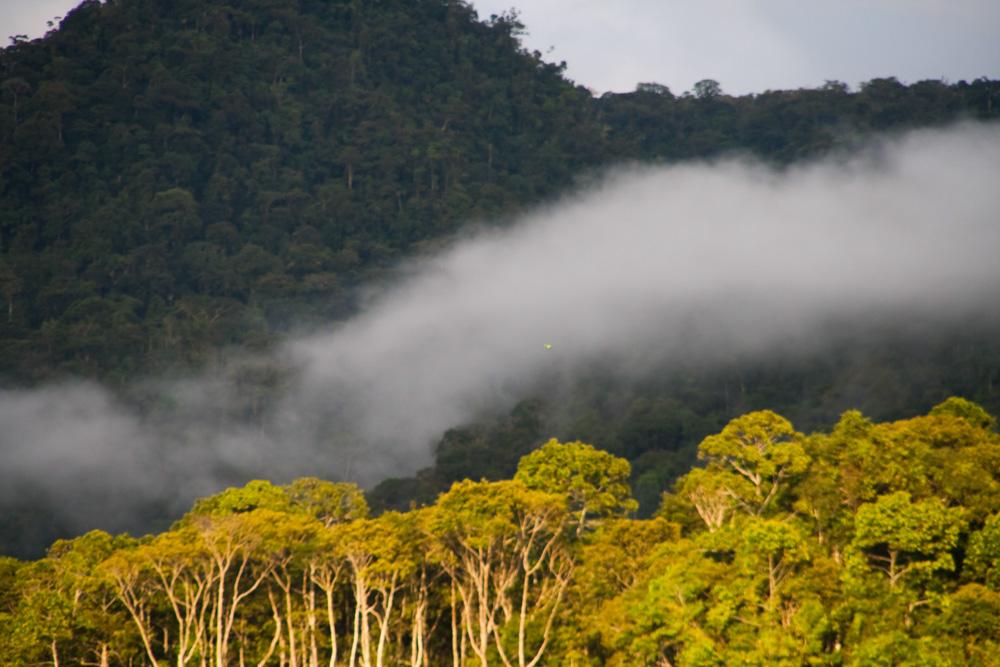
(499,573)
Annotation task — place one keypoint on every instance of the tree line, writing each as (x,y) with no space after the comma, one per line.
(870,544)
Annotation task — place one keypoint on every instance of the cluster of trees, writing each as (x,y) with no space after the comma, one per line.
(656,423)
(872,544)
(301,575)
(177,177)
(784,125)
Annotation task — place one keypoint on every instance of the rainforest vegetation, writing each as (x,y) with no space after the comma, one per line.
(178,178)
(870,544)
(182,181)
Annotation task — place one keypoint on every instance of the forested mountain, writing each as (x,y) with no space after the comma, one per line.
(176,177)
(182,178)
(869,544)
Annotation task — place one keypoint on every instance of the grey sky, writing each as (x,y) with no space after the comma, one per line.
(746,45)
(755,45)
(28,17)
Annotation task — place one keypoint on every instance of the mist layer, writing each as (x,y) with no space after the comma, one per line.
(654,266)
(645,268)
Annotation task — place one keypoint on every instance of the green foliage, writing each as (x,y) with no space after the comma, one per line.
(271,156)
(905,539)
(763,451)
(256,494)
(481,513)
(970,615)
(62,608)
(180,177)
(834,571)
(329,502)
(983,555)
(594,482)
(967,410)
(381,547)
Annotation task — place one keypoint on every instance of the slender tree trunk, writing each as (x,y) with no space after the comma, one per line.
(220,597)
(310,597)
(418,628)
(522,620)
(455,659)
(366,632)
(356,631)
(383,631)
(331,620)
(293,659)
(484,624)
(772,584)
(131,602)
(277,634)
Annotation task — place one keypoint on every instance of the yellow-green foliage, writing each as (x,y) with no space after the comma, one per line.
(872,544)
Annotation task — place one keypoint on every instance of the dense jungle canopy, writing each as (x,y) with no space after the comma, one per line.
(182,181)
(870,544)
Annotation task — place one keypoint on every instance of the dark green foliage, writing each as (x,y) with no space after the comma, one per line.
(181,176)
(179,166)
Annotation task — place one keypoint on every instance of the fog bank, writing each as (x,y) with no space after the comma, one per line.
(646,268)
(696,262)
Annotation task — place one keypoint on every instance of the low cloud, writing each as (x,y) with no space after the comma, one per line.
(646,268)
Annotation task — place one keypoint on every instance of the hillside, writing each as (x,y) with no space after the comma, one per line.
(182,176)
(178,177)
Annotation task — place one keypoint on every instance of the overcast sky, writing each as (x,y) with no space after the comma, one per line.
(746,45)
